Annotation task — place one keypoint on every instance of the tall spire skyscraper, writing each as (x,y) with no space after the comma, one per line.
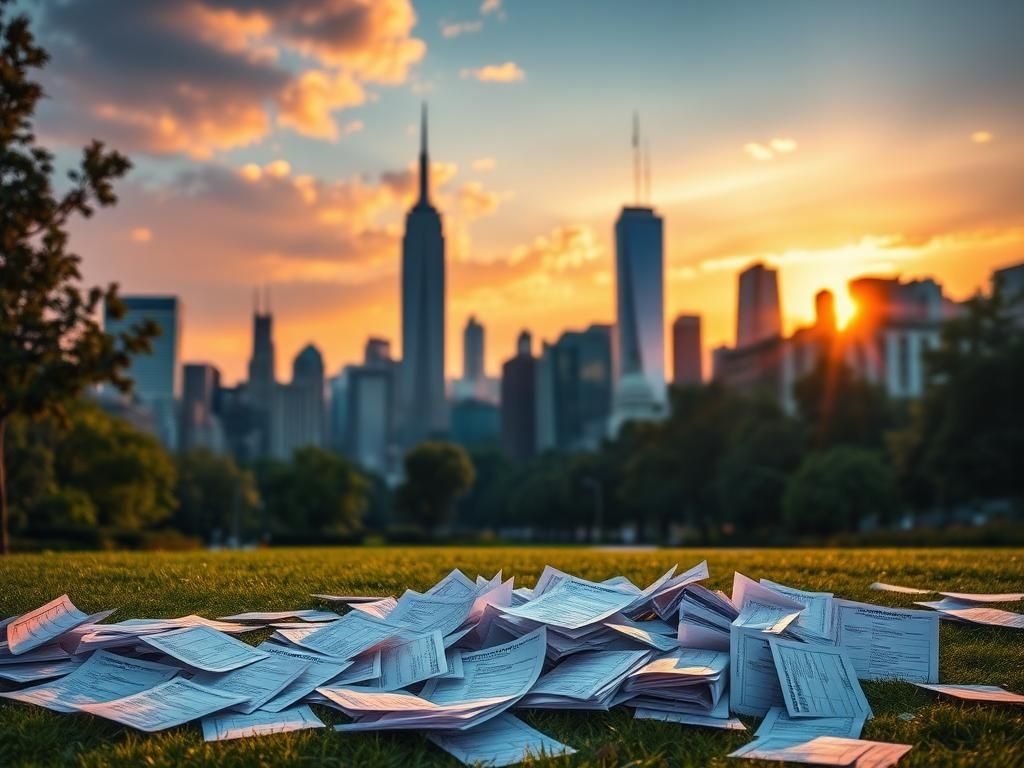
(262,380)
(423,408)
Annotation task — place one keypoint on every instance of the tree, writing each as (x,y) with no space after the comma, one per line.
(966,437)
(841,408)
(127,474)
(317,492)
(436,474)
(51,345)
(838,489)
(214,495)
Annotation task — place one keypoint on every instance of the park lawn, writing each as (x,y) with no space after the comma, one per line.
(944,733)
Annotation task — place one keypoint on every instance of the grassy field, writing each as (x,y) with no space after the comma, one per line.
(215,584)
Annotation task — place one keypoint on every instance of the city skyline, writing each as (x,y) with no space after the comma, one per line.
(859,140)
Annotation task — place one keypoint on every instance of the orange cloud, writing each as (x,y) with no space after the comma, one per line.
(484,164)
(981,137)
(509,72)
(307,104)
(142,234)
(490,6)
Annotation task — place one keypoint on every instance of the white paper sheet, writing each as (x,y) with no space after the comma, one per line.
(888,643)
(753,682)
(985,597)
(167,705)
(423,614)
(778,725)
(232,725)
(685,718)
(37,670)
(319,671)
(44,624)
(205,648)
(455,584)
(258,682)
(992,617)
(883,587)
(826,750)
(818,680)
(353,634)
(103,676)
(583,675)
(574,603)
(504,740)
(412,661)
(816,618)
(991,694)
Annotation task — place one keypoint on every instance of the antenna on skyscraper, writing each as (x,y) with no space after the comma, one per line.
(266,291)
(636,156)
(647,171)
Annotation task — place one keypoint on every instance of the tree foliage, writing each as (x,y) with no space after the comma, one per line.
(436,474)
(966,438)
(91,469)
(834,491)
(317,491)
(51,344)
(215,496)
(841,408)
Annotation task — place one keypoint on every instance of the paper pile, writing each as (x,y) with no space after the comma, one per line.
(452,662)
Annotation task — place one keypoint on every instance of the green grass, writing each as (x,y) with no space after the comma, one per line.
(215,584)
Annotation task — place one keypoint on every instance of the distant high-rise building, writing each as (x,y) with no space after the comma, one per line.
(473,350)
(370,406)
(475,423)
(574,390)
(758,315)
(524,343)
(200,425)
(1010,280)
(298,408)
(422,400)
(640,393)
(825,311)
(156,374)
(687,351)
(519,401)
(262,382)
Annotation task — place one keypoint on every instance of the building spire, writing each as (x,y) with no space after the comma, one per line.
(424,159)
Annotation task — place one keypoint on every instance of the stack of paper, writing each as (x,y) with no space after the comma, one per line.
(684,681)
(453,660)
(584,680)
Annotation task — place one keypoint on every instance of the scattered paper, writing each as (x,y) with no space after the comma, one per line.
(882,587)
(974,597)
(826,750)
(169,704)
(258,682)
(235,726)
(205,648)
(818,680)
(44,624)
(888,643)
(991,694)
(504,740)
(728,724)
(412,661)
(104,676)
(268,616)
(778,725)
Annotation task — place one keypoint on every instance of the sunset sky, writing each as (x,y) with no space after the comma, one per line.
(274,143)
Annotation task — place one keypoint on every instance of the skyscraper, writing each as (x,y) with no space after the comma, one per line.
(156,374)
(262,379)
(519,401)
(574,390)
(758,316)
(298,409)
(640,328)
(200,426)
(422,404)
(687,363)
(473,350)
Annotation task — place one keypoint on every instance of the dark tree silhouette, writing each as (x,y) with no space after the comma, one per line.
(51,344)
